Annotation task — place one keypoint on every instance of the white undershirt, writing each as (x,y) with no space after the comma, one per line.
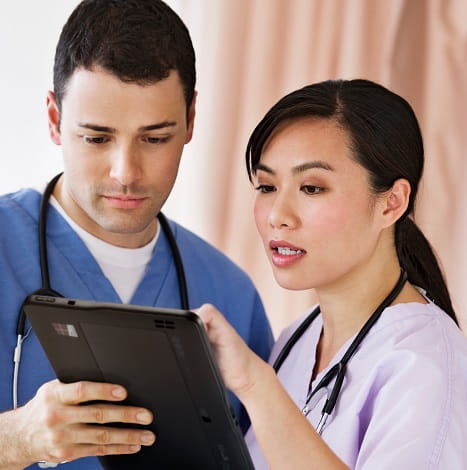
(123,267)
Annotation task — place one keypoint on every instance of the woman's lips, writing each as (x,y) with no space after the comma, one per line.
(284,254)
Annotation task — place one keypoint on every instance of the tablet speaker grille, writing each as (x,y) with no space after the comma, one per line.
(167,324)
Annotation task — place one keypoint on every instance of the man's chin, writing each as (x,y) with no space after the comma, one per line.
(126,233)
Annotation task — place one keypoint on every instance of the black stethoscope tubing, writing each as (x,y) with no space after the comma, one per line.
(46,288)
(338,370)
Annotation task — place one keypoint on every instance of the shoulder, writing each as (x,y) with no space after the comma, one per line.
(23,204)
(204,259)
(19,213)
(213,278)
(417,337)
(420,327)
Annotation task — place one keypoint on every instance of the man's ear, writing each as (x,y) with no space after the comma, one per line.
(191,118)
(53,116)
(396,201)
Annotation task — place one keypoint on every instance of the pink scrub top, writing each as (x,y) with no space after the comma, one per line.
(403,403)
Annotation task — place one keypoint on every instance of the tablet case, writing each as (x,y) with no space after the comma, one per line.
(164,359)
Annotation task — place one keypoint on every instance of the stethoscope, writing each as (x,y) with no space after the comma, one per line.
(47,290)
(337,371)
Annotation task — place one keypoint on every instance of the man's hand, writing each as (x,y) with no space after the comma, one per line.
(58,425)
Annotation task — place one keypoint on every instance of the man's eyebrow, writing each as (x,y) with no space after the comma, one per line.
(296,169)
(96,127)
(158,125)
(111,130)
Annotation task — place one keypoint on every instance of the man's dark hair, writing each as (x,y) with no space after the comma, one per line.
(138,41)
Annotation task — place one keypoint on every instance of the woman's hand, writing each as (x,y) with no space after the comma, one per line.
(238,364)
(256,385)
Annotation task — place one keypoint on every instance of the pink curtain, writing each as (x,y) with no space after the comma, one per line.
(252,52)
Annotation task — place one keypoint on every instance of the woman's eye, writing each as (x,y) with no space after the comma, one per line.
(265,188)
(310,189)
(95,140)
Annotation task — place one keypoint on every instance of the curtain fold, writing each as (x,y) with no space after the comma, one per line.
(252,52)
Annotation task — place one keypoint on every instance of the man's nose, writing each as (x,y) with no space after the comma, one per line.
(126,165)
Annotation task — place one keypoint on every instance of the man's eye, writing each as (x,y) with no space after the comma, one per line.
(265,188)
(310,189)
(95,139)
(156,140)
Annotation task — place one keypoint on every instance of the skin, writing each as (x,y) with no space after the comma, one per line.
(315,201)
(122,145)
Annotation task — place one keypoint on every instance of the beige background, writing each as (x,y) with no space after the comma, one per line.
(252,52)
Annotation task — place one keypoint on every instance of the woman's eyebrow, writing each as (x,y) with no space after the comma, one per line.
(296,169)
(262,167)
(311,165)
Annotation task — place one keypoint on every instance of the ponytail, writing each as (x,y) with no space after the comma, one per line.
(417,257)
(385,139)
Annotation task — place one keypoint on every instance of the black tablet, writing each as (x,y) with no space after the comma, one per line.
(164,359)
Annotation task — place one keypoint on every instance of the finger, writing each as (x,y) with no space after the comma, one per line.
(80,392)
(216,324)
(108,435)
(210,315)
(102,413)
(70,453)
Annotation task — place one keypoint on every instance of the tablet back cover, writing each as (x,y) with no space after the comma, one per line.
(164,360)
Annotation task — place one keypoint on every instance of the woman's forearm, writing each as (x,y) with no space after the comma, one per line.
(285,436)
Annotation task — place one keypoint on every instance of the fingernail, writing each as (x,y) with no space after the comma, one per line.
(118,392)
(147,438)
(143,417)
(135,448)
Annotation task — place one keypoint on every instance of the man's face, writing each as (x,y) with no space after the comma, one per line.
(122,144)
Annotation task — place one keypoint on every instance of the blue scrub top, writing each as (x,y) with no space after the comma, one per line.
(211,278)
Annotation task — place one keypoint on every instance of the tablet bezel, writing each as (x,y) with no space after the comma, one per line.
(84,340)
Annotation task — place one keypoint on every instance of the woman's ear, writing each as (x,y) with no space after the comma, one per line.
(396,201)
(53,116)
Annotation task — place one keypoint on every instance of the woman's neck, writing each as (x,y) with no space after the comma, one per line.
(345,306)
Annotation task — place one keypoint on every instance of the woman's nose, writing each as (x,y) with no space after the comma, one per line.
(282,213)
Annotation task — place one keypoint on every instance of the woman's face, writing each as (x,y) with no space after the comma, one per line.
(314,208)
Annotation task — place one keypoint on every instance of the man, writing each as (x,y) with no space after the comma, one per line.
(122,109)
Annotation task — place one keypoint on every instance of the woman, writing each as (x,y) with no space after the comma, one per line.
(337,166)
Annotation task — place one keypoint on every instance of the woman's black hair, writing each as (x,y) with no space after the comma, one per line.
(385,139)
